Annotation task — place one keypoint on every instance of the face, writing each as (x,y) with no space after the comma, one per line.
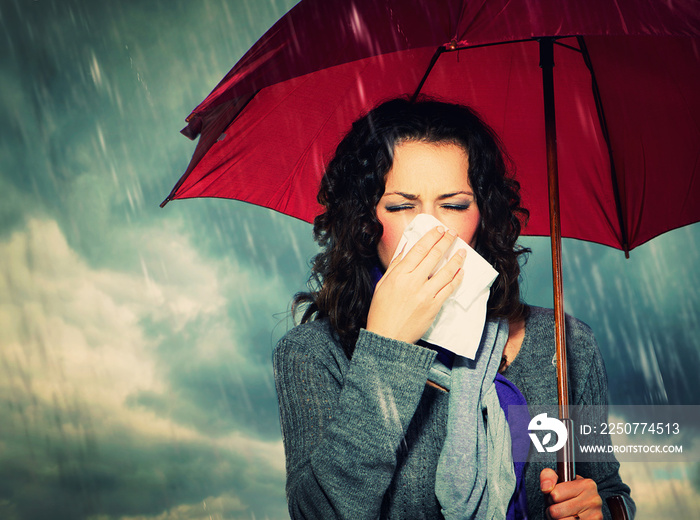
(427,178)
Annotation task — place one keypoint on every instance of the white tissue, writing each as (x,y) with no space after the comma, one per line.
(460,322)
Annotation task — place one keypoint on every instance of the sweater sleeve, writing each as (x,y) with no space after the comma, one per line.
(342,421)
(595,392)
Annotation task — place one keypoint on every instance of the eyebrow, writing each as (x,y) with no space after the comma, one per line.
(411,196)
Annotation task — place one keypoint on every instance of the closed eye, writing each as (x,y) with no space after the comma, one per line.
(456,207)
(401,207)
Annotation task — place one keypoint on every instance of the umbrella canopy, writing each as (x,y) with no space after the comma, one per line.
(626,83)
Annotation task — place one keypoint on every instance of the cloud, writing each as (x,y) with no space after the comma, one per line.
(224,506)
(82,346)
(661,490)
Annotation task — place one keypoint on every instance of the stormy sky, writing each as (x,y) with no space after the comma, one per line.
(135,342)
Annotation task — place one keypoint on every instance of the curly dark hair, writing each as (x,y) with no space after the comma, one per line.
(341,284)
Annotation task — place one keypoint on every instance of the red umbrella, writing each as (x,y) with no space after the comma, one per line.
(626,89)
(626,84)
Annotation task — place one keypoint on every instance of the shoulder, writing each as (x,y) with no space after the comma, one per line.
(543,317)
(312,342)
(584,359)
(540,326)
(317,331)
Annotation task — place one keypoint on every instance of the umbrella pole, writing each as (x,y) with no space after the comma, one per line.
(565,462)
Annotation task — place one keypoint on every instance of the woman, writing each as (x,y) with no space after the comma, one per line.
(363,406)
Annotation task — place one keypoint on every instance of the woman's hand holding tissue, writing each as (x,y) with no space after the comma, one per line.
(407,299)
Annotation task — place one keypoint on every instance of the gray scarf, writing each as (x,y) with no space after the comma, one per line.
(475,478)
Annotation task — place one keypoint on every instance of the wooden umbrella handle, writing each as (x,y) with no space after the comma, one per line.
(618,508)
(565,465)
(566,468)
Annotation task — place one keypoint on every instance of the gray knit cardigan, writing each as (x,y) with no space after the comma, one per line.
(362,437)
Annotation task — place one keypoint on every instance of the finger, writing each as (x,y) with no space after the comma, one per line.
(394,262)
(447,272)
(574,517)
(577,497)
(548,479)
(420,250)
(572,489)
(436,254)
(449,288)
(565,510)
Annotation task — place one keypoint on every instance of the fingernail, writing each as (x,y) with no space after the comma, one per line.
(452,232)
(440,229)
(462,253)
(546,486)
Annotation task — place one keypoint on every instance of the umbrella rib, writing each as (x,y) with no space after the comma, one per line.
(643,186)
(460,46)
(690,190)
(452,46)
(432,63)
(571,47)
(606,136)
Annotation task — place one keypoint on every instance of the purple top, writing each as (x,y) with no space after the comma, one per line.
(508,394)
